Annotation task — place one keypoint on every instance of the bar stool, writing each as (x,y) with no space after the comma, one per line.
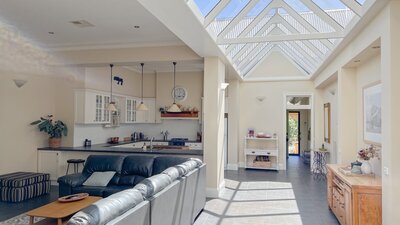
(76,163)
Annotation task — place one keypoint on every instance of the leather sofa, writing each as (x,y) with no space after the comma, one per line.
(174,194)
(130,170)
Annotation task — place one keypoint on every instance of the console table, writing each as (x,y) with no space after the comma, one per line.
(319,163)
(355,200)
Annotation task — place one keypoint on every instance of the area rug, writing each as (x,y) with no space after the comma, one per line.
(22,219)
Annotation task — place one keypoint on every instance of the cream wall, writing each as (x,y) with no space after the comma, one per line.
(369,72)
(21,106)
(268,115)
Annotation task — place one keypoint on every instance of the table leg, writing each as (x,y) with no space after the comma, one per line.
(31,220)
(59,221)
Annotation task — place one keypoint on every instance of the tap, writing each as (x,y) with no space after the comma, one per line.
(165,135)
(151,143)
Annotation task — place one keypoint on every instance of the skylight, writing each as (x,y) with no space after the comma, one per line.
(305,31)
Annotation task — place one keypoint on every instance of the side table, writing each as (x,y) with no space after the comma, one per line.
(319,164)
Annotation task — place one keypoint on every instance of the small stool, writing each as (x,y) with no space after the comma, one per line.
(76,163)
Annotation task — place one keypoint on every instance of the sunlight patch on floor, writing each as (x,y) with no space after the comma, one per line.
(253,203)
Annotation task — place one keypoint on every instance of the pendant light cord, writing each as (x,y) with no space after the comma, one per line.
(142,64)
(111,66)
(174,78)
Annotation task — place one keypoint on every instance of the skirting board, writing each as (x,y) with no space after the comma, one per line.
(215,192)
(232,167)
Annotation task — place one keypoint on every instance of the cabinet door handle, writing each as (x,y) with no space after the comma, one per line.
(253,152)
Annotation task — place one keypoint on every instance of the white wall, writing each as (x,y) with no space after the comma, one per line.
(369,72)
(267,116)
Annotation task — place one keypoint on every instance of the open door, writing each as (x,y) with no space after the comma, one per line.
(293,133)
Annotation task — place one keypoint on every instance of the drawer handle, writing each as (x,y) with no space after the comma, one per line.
(268,153)
(253,152)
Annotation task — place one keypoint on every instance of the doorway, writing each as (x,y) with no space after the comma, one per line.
(293,137)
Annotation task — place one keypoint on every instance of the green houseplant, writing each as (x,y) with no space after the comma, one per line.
(55,129)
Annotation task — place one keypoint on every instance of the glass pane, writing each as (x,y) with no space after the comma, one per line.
(293,132)
(205,6)
(260,6)
(232,9)
(329,5)
(297,5)
(361,2)
(298,100)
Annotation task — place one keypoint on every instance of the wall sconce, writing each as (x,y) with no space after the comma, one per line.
(260,98)
(19,83)
(224,86)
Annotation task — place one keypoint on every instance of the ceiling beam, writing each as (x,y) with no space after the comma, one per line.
(286,52)
(280,38)
(256,21)
(310,45)
(214,12)
(354,6)
(323,15)
(244,70)
(250,5)
(303,22)
(270,22)
(299,58)
(250,55)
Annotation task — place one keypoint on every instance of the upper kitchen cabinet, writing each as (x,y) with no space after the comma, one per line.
(129,113)
(91,107)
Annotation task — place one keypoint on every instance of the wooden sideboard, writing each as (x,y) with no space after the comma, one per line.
(355,200)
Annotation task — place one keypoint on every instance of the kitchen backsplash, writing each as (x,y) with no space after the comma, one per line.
(99,134)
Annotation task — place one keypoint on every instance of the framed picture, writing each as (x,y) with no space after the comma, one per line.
(372,118)
(327,122)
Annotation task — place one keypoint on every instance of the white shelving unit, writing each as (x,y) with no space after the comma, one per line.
(261,153)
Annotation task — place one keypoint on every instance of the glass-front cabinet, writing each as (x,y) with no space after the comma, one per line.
(91,107)
(130,116)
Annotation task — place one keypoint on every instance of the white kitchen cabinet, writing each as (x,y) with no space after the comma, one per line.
(48,163)
(148,116)
(91,107)
(129,110)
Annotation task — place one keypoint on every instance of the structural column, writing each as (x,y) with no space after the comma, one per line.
(233,127)
(347,115)
(213,122)
(390,55)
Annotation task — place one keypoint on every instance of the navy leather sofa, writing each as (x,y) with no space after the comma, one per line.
(130,170)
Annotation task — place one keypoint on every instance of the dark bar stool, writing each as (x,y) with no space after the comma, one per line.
(76,163)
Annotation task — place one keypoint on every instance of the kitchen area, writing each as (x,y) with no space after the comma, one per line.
(95,129)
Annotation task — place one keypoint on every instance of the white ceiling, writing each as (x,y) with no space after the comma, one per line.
(113,21)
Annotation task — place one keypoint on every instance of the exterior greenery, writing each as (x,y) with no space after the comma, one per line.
(55,129)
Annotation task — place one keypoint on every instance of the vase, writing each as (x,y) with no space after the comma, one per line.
(366,167)
(54,142)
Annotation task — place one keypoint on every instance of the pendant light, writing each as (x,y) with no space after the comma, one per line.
(174,107)
(111,106)
(142,106)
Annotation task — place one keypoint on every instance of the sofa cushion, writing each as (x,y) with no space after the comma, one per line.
(114,189)
(163,162)
(188,166)
(172,172)
(91,190)
(138,165)
(101,163)
(152,185)
(105,210)
(99,179)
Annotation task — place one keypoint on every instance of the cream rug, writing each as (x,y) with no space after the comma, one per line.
(20,220)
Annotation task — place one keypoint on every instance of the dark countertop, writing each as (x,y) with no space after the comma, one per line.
(109,149)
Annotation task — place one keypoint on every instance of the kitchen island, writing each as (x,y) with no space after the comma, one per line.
(54,160)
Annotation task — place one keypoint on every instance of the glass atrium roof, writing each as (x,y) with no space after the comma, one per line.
(305,31)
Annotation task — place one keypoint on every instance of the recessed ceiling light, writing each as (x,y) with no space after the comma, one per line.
(376,47)
(357,61)
(136,27)
(51,32)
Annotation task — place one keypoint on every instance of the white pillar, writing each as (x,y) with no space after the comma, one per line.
(233,127)
(213,112)
(347,115)
(390,55)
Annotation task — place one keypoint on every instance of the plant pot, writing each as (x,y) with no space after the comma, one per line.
(366,167)
(54,142)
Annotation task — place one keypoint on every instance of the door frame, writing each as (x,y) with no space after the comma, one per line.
(285,108)
(298,132)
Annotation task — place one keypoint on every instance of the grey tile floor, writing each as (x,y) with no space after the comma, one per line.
(292,197)
(9,210)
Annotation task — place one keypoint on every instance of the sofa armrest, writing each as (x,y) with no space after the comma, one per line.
(73,180)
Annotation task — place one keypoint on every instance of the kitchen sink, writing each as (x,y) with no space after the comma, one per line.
(160,147)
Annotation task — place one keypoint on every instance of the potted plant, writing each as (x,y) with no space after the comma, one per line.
(55,129)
